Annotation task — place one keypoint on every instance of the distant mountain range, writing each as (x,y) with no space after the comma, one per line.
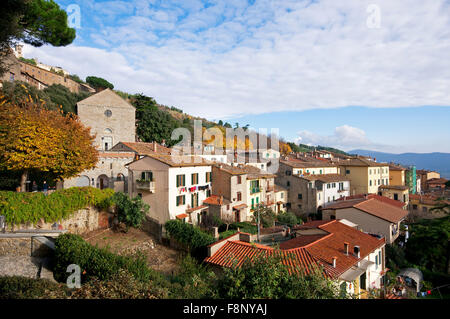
(439,162)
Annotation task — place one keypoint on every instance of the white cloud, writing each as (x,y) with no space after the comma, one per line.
(344,137)
(231,59)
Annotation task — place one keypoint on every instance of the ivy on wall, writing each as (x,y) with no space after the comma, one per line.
(21,208)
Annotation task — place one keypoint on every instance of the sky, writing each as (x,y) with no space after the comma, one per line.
(342,73)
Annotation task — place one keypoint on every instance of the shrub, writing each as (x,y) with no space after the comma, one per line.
(20,208)
(130,211)
(289,218)
(189,235)
(96,262)
(17,287)
(227,233)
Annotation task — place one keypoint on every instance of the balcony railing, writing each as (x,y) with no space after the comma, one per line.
(146,185)
(254,190)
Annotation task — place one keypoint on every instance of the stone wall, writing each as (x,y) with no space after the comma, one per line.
(80,222)
(24,246)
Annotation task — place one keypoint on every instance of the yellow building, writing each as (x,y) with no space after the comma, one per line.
(365,175)
(396,175)
(395,192)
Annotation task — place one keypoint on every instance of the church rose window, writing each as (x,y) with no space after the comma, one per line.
(108,113)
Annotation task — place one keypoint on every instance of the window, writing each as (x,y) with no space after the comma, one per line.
(108,113)
(181,200)
(282,195)
(208,193)
(347,171)
(320,171)
(11,77)
(194,178)
(300,196)
(288,183)
(147,176)
(181,180)
(239,179)
(328,199)
(370,183)
(334,185)
(239,196)
(376,261)
(370,171)
(396,196)
(208,177)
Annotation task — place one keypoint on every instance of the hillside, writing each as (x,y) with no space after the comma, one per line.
(431,161)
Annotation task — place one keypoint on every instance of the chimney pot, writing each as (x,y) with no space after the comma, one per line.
(346,245)
(334,261)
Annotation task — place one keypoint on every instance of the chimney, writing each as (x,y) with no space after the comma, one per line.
(356,251)
(346,245)
(221,200)
(154,147)
(334,261)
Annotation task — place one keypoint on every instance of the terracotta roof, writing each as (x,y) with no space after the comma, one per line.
(361,162)
(332,245)
(398,187)
(382,210)
(251,171)
(142,148)
(193,209)
(297,163)
(374,207)
(437,181)
(181,216)
(394,167)
(384,199)
(325,178)
(180,161)
(234,252)
(240,206)
(215,200)
(308,251)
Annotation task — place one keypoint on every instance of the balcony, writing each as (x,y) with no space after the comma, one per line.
(270,188)
(254,190)
(345,189)
(148,186)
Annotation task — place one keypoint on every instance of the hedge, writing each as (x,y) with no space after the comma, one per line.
(20,208)
(96,262)
(187,234)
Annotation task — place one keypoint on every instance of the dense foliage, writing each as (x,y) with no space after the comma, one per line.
(289,218)
(99,83)
(129,211)
(96,262)
(55,96)
(17,287)
(266,215)
(428,245)
(34,22)
(153,124)
(33,138)
(19,208)
(268,277)
(193,237)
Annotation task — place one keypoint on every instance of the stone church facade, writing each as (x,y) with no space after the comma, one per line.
(112,120)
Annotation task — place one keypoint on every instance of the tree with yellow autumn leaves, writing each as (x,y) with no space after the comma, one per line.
(35,139)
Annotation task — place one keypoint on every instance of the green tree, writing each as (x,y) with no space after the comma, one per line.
(266,214)
(99,83)
(153,124)
(131,212)
(35,22)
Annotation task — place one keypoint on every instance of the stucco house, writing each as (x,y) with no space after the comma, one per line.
(173,186)
(370,214)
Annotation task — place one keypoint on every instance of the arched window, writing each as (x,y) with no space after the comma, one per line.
(108,131)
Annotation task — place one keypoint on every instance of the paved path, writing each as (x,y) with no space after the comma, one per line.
(26,266)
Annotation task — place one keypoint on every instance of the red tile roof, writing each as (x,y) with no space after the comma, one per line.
(234,253)
(373,206)
(181,216)
(384,199)
(306,251)
(215,200)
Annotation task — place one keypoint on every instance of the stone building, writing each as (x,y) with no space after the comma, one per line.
(111,120)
